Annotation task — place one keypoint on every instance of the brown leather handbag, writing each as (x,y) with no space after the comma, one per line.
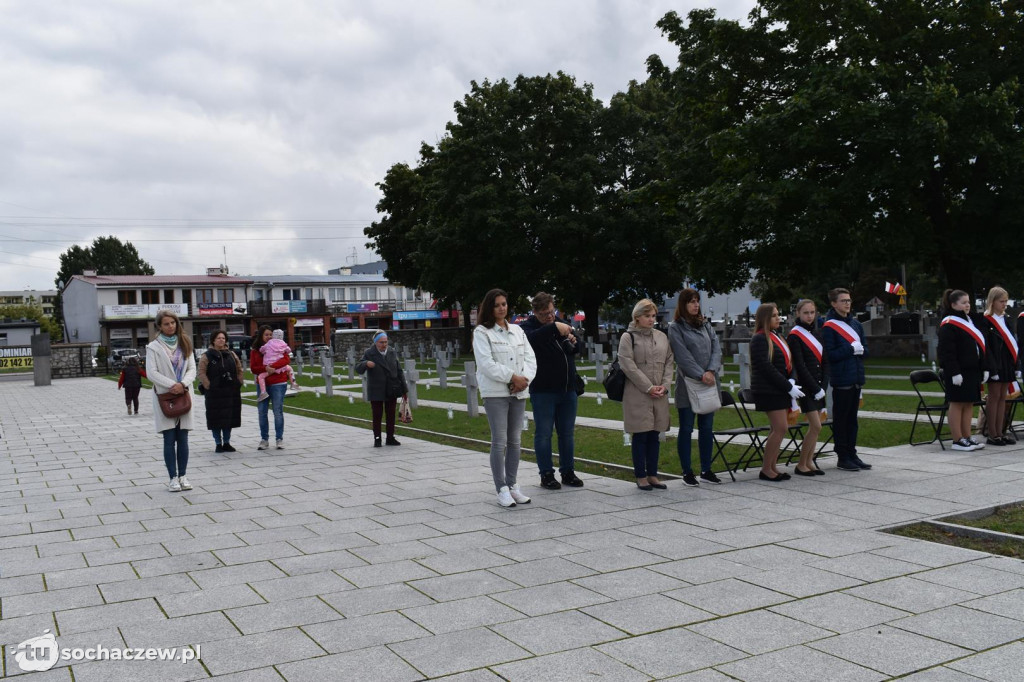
(173,406)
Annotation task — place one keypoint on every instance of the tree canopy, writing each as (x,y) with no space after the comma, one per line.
(530,189)
(106,255)
(821,140)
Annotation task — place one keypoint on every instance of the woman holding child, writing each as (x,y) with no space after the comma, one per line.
(276,384)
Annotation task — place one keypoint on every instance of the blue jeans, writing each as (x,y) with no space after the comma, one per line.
(276,399)
(221,436)
(705,439)
(554,411)
(646,449)
(176,462)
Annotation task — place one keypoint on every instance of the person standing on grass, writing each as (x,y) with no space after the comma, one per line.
(505,366)
(698,355)
(843,338)
(131,378)
(961,354)
(553,391)
(172,369)
(1002,362)
(385,384)
(809,365)
(645,357)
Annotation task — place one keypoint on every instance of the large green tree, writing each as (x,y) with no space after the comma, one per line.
(529,189)
(872,131)
(106,255)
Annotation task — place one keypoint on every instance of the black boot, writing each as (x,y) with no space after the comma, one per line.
(376,442)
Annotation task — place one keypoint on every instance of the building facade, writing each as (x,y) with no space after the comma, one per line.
(45,298)
(117,311)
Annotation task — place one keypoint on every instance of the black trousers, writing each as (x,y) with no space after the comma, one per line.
(384,408)
(845,404)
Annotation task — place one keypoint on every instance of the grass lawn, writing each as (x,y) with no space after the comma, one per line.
(1009,519)
(924,531)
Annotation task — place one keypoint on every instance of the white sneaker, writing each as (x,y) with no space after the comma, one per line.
(184,484)
(519,497)
(263,445)
(964,445)
(978,442)
(505,497)
(174,486)
(280,445)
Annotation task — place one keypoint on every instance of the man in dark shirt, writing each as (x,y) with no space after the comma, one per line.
(553,391)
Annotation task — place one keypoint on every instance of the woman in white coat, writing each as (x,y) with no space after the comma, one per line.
(171,366)
(505,366)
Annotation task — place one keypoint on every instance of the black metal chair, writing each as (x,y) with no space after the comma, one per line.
(754,444)
(919,378)
(746,396)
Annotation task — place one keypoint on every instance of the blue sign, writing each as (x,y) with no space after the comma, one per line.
(418,315)
(363,307)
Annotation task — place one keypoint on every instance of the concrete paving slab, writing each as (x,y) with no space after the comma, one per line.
(329,558)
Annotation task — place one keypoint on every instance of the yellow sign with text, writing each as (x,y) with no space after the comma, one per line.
(16,363)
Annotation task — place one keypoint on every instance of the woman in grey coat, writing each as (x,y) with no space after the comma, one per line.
(385,384)
(698,355)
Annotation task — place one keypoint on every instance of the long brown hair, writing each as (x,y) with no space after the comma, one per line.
(257,338)
(485,313)
(763,318)
(685,296)
(184,343)
(951,296)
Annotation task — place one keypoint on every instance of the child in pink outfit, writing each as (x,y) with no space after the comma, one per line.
(273,350)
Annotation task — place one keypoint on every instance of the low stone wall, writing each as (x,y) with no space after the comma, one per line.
(73,360)
(406,338)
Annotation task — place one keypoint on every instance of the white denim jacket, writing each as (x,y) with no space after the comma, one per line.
(499,355)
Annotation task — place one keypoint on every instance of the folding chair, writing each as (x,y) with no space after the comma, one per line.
(746,396)
(917,379)
(753,434)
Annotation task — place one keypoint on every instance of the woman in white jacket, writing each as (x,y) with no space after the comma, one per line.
(505,366)
(171,366)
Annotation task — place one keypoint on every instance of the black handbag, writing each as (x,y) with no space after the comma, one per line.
(580,385)
(615,381)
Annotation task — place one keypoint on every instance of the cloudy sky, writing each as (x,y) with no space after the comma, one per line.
(260,126)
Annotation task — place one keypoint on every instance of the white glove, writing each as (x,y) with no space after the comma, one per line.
(1018,375)
(984,377)
(819,395)
(794,391)
(958,379)
(858,348)
(993,377)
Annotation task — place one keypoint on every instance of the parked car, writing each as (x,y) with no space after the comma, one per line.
(312,350)
(119,357)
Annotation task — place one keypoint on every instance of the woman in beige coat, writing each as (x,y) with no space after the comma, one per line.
(645,357)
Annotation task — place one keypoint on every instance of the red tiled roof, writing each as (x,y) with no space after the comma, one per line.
(160,280)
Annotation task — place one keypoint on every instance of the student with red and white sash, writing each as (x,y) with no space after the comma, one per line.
(1002,362)
(772,383)
(809,364)
(843,338)
(961,355)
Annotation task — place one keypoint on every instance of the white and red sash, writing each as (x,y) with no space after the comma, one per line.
(1000,324)
(967,326)
(808,340)
(843,329)
(786,353)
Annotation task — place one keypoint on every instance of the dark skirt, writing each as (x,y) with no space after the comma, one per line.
(769,402)
(1004,369)
(967,392)
(809,404)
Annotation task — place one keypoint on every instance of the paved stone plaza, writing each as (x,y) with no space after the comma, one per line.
(331,560)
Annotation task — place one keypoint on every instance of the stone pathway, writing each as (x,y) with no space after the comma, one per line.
(333,560)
